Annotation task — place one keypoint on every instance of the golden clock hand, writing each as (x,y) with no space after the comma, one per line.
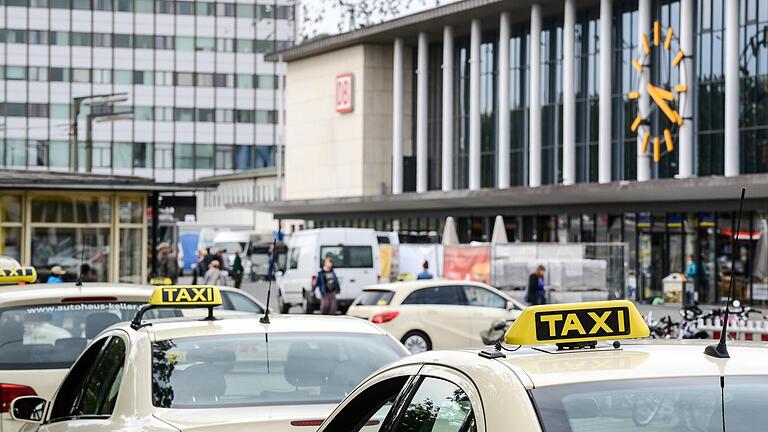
(669,112)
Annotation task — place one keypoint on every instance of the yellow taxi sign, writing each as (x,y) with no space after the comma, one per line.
(186,295)
(577,322)
(160,281)
(18,275)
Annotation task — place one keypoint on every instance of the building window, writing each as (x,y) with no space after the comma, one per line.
(185,43)
(204,79)
(269,82)
(80,39)
(15,73)
(38,73)
(185,114)
(185,79)
(204,156)
(205,44)
(164,155)
(244,81)
(59,74)
(244,116)
(16,36)
(38,153)
(124,77)
(142,113)
(205,114)
(163,113)
(59,153)
(753,68)
(185,7)
(710,94)
(10,226)
(102,40)
(164,6)
(142,155)
(38,37)
(206,8)
(15,153)
(225,45)
(164,78)
(224,157)
(143,6)
(264,156)
(143,41)
(59,111)
(587,100)
(225,9)
(102,76)
(185,156)
(142,77)
(37,110)
(225,115)
(124,5)
(122,41)
(81,75)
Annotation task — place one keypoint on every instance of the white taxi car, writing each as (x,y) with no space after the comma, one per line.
(435,314)
(44,327)
(574,384)
(224,372)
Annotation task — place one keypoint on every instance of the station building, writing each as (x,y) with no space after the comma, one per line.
(632,121)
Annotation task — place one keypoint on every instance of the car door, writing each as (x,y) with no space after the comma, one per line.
(443,315)
(484,307)
(86,399)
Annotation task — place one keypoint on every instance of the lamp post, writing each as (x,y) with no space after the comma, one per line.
(78,102)
(99,117)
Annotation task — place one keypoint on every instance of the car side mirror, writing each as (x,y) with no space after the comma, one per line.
(28,409)
(511,305)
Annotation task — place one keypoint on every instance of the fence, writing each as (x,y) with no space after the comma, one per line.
(574,271)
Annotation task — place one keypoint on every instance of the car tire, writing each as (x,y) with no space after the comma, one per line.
(282,305)
(416,341)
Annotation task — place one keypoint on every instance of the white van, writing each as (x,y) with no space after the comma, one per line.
(355,253)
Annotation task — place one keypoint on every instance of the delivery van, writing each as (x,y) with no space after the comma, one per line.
(355,253)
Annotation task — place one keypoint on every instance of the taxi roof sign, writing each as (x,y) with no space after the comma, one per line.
(577,322)
(161,281)
(181,296)
(18,275)
(186,296)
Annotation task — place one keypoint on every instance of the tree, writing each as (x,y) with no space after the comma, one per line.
(354,14)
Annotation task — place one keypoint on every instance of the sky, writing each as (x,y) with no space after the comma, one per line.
(328,14)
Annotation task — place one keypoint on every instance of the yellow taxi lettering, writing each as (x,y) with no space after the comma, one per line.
(621,320)
(552,320)
(183,296)
(572,323)
(600,322)
(200,294)
(168,294)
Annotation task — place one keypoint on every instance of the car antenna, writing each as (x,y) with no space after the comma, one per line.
(721,349)
(270,275)
(80,273)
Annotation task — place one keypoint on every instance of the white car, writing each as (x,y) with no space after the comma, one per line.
(555,375)
(44,327)
(225,372)
(435,314)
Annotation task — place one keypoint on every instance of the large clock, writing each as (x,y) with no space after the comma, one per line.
(668,100)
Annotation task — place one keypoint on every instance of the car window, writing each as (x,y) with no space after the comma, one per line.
(348,256)
(71,387)
(439,295)
(249,370)
(51,336)
(374,298)
(370,410)
(241,303)
(437,405)
(293,258)
(99,394)
(479,296)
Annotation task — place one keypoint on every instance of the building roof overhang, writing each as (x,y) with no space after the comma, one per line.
(52,180)
(458,14)
(668,195)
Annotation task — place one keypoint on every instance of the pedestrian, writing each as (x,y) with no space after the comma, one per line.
(220,258)
(691,269)
(214,275)
(168,266)
(57,275)
(425,274)
(536,294)
(200,268)
(328,284)
(87,273)
(237,269)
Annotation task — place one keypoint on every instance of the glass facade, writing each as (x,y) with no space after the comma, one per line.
(199,89)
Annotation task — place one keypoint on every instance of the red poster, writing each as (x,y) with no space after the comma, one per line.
(468,263)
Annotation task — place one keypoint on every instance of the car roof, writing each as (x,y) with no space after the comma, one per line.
(15,295)
(231,324)
(633,360)
(38,293)
(408,286)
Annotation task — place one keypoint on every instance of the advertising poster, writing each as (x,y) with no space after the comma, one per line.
(468,263)
(385,261)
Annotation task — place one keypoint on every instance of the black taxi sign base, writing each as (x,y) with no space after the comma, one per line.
(577,324)
(181,296)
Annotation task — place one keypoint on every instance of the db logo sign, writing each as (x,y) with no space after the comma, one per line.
(344,93)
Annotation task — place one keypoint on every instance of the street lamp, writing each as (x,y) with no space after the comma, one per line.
(76,104)
(99,117)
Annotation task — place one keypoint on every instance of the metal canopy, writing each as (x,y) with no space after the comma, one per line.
(20,179)
(695,194)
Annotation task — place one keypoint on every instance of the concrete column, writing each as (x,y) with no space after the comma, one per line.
(606,80)
(447,170)
(687,39)
(502,154)
(644,103)
(569,93)
(421,113)
(534,98)
(731,88)
(474,105)
(397,117)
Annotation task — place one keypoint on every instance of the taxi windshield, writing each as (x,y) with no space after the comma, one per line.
(51,336)
(246,370)
(655,405)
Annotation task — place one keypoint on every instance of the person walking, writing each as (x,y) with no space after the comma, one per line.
(200,268)
(57,275)
(214,275)
(169,266)
(536,294)
(425,274)
(237,269)
(328,284)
